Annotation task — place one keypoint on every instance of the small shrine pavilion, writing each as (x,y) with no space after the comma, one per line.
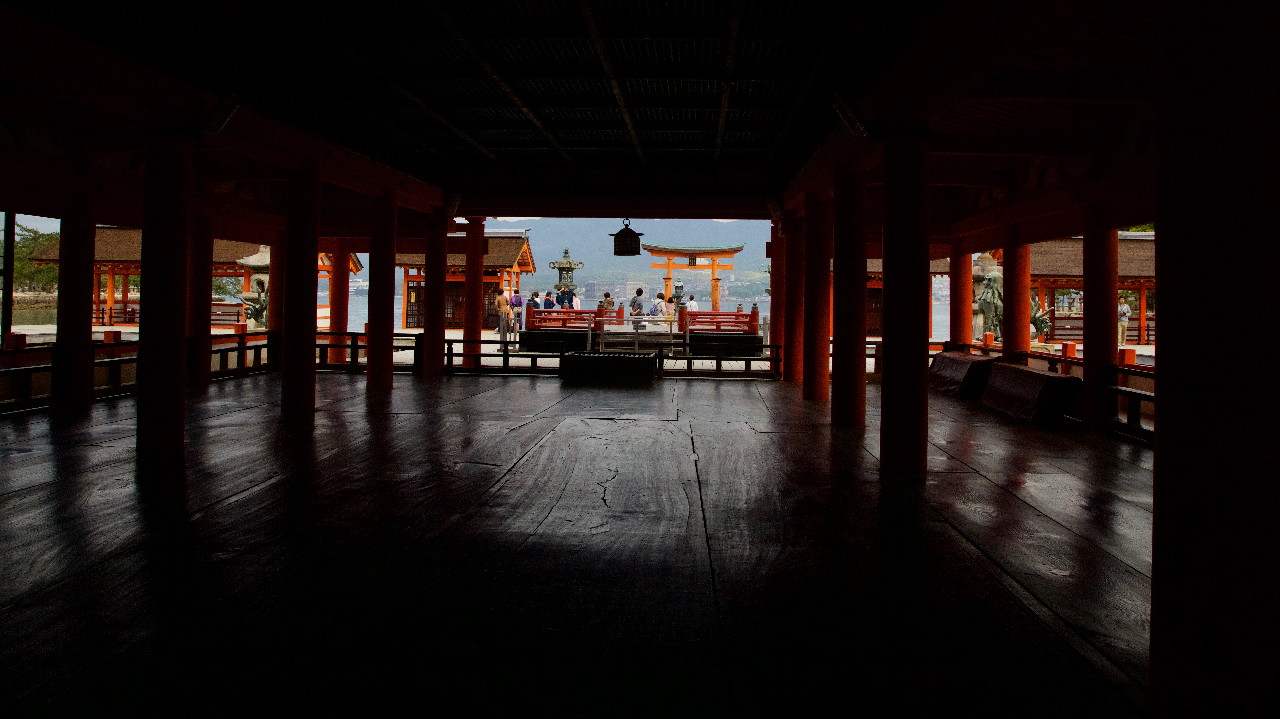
(507,259)
(697,258)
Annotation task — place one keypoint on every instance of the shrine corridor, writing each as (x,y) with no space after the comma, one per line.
(486,545)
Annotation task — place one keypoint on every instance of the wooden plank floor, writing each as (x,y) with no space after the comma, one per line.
(484,545)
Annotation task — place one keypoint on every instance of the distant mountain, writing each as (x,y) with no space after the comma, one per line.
(589,242)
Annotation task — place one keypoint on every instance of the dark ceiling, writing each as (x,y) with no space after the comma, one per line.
(571,96)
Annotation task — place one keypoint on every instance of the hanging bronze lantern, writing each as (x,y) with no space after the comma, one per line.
(626,242)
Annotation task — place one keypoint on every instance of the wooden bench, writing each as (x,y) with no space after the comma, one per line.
(1028,394)
(615,368)
(960,374)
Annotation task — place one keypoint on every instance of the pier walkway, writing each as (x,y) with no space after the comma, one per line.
(488,545)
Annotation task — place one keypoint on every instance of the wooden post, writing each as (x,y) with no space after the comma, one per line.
(199,309)
(97,296)
(109,318)
(793,301)
(961,277)
(715,284)
(162,324)
(433,285)
(339,301)
(1101,258)
(473,291)
(298,335)
(905,386)
(73,351)
(277,285)
(6,273)
(1016,327)
(1215,641)
(777,252)
(816,375)
(382,290)
(1142,315)
(849,324)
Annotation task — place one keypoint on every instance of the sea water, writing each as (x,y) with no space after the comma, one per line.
(358,311)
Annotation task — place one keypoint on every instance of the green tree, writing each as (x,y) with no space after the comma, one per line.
(27,276)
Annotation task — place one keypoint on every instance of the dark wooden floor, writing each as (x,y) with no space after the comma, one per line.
(487,545)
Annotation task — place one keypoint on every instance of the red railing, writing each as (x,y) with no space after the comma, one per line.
(739,322)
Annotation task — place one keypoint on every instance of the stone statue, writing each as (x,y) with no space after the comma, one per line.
(991,302)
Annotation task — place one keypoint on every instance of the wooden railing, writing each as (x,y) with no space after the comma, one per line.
(736,322)
(1134,388)
(26,374)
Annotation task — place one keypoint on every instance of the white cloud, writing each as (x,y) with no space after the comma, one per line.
(515,219)
(724,220)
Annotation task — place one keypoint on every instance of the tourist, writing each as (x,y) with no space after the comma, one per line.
(636,308)
(562,298)
(503,305)
(1122,314)
(670,309)
(659,305)
(517,308)
(691,305)
(574,302)
(607,302)
(534,304)
(548,301)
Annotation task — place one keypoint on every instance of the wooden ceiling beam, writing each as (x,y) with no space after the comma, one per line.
(474,53)
(730,70)
(597,43)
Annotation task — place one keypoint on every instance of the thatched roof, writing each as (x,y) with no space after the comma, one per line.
(124,246)
(118,244)
(505,250)
(1064,258)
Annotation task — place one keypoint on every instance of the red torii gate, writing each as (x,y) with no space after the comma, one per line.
(693,254)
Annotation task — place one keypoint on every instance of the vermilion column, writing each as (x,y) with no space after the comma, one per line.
(1101,286)
(905,372)
(793,300)
(961,277)
(199,288)
(1215,580)
(162,320)
(849,321)
(298,336)
(433,286)
(340,300)
(1016,328)
(276,289)
(382,292)
(777,284)
(73,352)
(816,375)
(473,288)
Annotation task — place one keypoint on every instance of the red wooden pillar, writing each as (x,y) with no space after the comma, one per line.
(199,317)
(816,374)
(73,351)
(777,284)
(849,323)
(793,300)
(433,272)
(162,321)
(905,387)
(276,286)
(340,300)
(1142,315)
(382,293)
(473,288)
(298,336)
(1101,261)
(1016,327)
(961,313)
(1215,640)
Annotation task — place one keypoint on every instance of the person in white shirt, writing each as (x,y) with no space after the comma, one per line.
(691,305)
